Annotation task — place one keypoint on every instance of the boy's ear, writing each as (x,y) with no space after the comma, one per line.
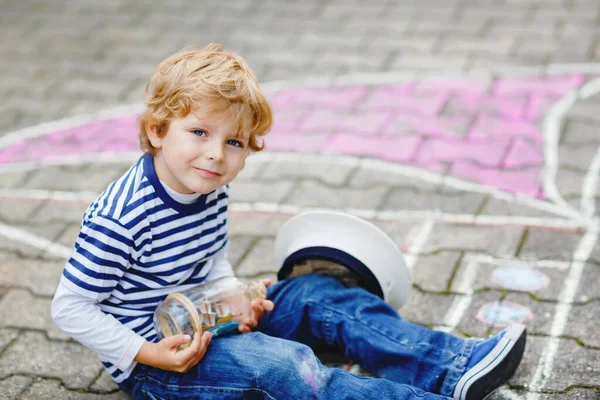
(153,136)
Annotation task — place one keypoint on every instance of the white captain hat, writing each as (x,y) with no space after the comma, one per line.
(348,240)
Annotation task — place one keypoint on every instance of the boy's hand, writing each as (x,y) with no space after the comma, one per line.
(164,354)
(259,307)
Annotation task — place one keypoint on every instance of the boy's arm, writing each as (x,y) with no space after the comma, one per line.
(221,266)
(82,319)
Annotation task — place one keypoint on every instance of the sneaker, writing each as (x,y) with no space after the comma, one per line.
(493,362)
(327,268)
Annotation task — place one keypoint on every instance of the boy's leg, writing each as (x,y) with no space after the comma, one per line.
(258,366)
(314,309)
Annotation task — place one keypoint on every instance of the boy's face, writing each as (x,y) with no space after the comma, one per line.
(199,153)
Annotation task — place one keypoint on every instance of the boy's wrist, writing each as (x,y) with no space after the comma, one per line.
(147,354)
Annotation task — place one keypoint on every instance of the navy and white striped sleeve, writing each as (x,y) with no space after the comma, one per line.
(101,257)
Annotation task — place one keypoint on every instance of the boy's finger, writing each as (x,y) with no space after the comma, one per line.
(196,345)
(177,340)
(268,305)
(266,282)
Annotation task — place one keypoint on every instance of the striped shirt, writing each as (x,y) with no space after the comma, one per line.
(137,244)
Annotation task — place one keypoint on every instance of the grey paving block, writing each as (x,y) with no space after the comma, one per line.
(260,260)
(58,178)
(544,283)
(402,232)
(274,192)
(576,366)
(105,384)
(49,389)
(585,111)
(309,193)
(449,201)
(249,223)
(434,272)
(17,210)
(580,132)
(7,336)
(33,354)
(495,206)
(545,244)
(534,348)
(582,323)
(576,156)
(12,179)
(589,286)
(238,247)
(368,177)
(470,324)
(40,277)
(69,235)
(48,231)
(19,309)
(542,313)
(68,211)
(252,169)
(426,308)
(329,172)
(570,182)
(500,241)
(12,387)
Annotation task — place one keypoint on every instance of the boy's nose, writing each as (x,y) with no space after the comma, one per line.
(214,152)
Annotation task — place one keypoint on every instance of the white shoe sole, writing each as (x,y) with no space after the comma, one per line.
(495,368)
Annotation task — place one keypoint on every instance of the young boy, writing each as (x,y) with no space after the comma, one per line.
(161,228)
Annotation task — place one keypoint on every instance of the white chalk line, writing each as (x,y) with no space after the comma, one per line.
(563,308)
(35,241)
(589,186)
(417,245)
(373,164)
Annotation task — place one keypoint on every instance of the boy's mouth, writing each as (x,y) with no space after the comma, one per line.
(207,173)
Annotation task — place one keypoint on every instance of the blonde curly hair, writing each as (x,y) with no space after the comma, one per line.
(212,80)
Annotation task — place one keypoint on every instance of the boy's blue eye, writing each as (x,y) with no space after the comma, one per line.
(199,132)
(235,143)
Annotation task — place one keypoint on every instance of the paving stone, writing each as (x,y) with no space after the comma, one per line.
(368,177)
(40,277)
(238,247)
(12,387)
(498,207)
(578,366)
(402,232)
(48,389)
(544,283)
(7,336)
(33,354)
(19,309)
(434,272)
(314,194)
(584,111)
(274,192)
(57,211)
(570,182)
(534,348)
(329,171)
(469,323)
(547,244)
(70,234)
(252,169)
(48,231)
(249,223)
(12,179)
(260,260)
(449,201)
(580,132)
(577,157)
(105,384)
(500,241)
(582,323)
(589,285)
(426,308)
(57,178)
(542,313)
(17,210)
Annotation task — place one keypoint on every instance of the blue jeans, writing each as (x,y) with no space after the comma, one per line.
(317,312)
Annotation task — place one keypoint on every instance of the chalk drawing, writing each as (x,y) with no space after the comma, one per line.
(519,278)
(502,314)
